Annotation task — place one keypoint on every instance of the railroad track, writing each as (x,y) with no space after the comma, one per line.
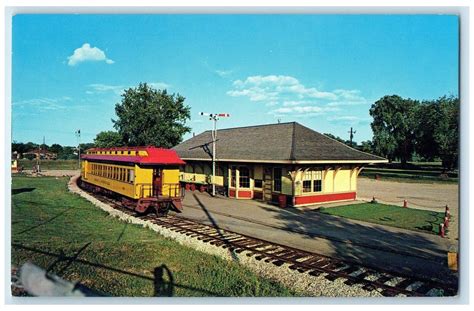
(387,283)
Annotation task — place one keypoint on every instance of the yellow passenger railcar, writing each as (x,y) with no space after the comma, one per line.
(144,177)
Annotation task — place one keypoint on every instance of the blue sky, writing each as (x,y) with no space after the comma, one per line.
(324,71)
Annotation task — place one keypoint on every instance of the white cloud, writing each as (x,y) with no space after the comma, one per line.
(87,53)
(223,73)
(102,88)
(349,120)
(43,104)
(119,89)
(278,87)
(159,85)
(302,109)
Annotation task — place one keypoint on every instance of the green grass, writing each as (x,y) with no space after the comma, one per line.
(49,164)
(51,226)
(390,215)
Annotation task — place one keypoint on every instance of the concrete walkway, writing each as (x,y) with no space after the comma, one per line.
(369,244)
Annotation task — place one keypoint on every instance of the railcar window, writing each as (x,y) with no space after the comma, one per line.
(132,176)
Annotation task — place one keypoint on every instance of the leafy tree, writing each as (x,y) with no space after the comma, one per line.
(151,117)
(393,127)
(438,130)
(339,139)
(447,132)
(56,148)
(366,146)
(107,139)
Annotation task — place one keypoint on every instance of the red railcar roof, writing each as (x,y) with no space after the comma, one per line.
(155,155)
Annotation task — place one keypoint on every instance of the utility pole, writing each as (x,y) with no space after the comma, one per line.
(351,135)
(78,136)
(214,117)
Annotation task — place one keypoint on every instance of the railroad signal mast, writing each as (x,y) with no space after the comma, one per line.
(351,132)
(214,117)
(78,136)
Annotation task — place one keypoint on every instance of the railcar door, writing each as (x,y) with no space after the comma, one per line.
(157,181)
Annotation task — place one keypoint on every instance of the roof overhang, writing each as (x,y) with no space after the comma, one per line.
(293,161)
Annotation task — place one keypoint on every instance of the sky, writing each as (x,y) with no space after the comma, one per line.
(323,71)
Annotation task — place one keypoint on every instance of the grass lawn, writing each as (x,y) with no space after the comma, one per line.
(50,164)
(72,238)
(390,215)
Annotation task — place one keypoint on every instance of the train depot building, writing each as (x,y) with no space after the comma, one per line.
(285,163)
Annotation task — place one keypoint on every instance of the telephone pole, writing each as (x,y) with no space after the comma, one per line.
(214,117)
(351,135)
(78,136)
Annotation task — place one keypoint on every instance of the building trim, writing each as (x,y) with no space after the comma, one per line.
(291,161)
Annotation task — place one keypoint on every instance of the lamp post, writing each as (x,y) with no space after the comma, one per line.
(214,117)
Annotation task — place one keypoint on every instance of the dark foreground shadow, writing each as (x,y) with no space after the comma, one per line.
(162,287)
(21,190)
(214,224)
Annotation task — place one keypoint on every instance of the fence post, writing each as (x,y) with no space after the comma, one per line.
(405,203)
(441,230)
(446,212)
(446,222)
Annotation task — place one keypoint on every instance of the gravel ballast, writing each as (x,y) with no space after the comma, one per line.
(304,283)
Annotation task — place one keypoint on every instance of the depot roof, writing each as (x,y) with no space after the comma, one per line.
(272,143)
(138,155)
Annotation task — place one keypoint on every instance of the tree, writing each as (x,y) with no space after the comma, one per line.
(366,146)
(393,127)
(339,139)
(56,148)
(447,132)
(107,139)
(437,130)
(151,117)
(425,144)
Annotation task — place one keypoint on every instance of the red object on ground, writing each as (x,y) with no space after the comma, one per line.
(282,200)
(446,212)
(202,188)
(299,200)
(192,187)
(405,203)
(232,193)
(245,194)
(441,230)
(187,186)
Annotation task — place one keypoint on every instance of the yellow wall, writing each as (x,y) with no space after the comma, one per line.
(143,175)
(341,180)
(170,182)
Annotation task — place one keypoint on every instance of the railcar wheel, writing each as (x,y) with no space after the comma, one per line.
(162,209)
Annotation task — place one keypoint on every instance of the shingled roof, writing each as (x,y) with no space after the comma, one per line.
(272,143)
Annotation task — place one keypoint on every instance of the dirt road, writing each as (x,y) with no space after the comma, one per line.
(429,196)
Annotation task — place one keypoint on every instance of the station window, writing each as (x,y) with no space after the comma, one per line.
(244,177)
(233,174)
(258,183)
(312,181)
(277,179)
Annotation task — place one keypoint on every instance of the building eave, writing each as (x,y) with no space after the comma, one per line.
(292,161)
